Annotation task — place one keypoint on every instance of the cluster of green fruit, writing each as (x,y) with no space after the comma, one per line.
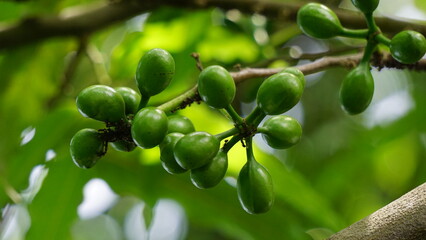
(407,47)
(276,95)
(130,123)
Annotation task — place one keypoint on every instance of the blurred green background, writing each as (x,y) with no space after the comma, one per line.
(345,167)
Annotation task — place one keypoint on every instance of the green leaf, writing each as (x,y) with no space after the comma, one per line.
(10,10)
(148,215)
(293,188)
(220,204)
(53,132)
(421,5)
(319,233)
(54,207)
(102,227)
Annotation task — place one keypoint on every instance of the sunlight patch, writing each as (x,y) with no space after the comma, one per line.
(389,109)
(50,155)
(27,135)
(169,221)
(98,197)
(37,176)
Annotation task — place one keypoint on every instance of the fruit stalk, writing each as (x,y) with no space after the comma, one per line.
(144,101)
(256,116)
(234,115)
(227,134)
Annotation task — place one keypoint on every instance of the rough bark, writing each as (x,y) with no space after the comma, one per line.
(402,219)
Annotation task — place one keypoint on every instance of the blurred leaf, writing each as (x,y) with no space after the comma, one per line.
(396,162)
(220,203)
(420,4)
(148,215)
(121,208)
(102,227)
(53,132)
(54,207)
(10,11)
(294,189)
(320,233)
(227,47)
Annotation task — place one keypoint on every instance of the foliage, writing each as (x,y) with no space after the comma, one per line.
(344,167)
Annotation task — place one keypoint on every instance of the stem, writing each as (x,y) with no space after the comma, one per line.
(231,143)
(234,115)
(249,150)
(227,133)
(383,39)
(174,103)
(261,130)
(372,27)
(255,115)
(259,119)
(368,51)
(355,33)
(143,102)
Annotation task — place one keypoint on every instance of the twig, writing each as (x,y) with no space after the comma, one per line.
(385,60)
(196,56)
(349,62)
(306,56)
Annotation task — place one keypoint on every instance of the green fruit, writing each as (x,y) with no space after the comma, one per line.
(131,99)
(149,127)
(281,131)
(216,86)
(154,72)
(318,21)
(102,103)
(279,93)
(296,72)
(196,149)
(123,146)
(254,187)
(408,46)
(86,148)
(357,90)
(180,124)
(366,6)
(211,174)
(167,157)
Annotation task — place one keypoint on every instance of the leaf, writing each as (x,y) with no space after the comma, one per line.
(10,11)
(148,215)
(319,233)
(421,5)
(54,207)
(102,227)
(53,132)
(293,188)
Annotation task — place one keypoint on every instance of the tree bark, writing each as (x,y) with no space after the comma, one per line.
(402,219)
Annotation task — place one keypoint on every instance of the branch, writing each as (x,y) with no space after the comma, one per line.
(380,60)
(402,219)
(36,29)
